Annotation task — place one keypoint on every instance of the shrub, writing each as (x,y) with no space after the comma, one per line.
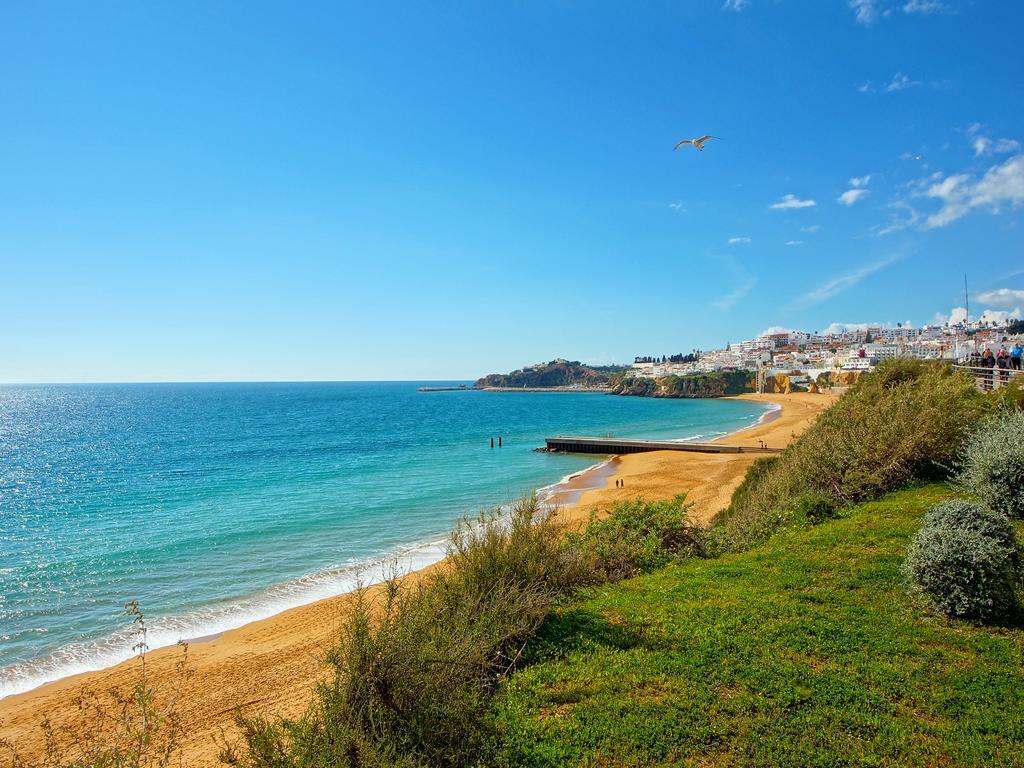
(812,508)
(905,421)
(637,536)
(992,464)
(959,513)
(965,561)
(411,677)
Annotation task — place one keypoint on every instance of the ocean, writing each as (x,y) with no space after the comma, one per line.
(217,504)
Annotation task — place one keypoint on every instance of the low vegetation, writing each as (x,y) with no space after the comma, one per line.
(717,384)
(964,560)
(906,421)
(557,373)
(804,651)
(992,465)
(413,676)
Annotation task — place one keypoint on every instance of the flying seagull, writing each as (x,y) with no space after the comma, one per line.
(698,143)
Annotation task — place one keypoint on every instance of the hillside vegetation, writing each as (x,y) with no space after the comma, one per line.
(717,384)
(557,373)
(907,420)
(806,651)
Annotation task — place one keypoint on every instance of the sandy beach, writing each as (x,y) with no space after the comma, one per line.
(269,666)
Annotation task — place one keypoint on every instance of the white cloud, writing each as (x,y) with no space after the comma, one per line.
(851,196)
(924,7)
(840,283)
(901,82)
(858,189)
(788,202)
(811,228)
(999,316)
(865,11)
(1001,185)
(985,145)
(794,242)
(866,87)
(847,327)
(1002,297)
(735,5)
(738,240)
(775,329)
(677,205)
(956,315)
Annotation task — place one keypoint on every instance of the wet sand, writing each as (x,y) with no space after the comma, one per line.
(269,666)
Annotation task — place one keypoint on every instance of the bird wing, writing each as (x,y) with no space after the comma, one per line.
(684,141)
(702,139)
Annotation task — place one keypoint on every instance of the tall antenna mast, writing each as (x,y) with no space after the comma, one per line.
(967,301)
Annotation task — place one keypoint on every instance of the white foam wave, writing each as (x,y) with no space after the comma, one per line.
(94,655)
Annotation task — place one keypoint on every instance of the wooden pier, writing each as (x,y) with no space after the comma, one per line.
(608,445)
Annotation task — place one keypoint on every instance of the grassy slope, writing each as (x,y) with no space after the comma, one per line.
(805,651)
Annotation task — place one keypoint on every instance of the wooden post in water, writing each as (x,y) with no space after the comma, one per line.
(492,442)
(499,441)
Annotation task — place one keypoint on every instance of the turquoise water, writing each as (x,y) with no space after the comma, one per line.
(216,504)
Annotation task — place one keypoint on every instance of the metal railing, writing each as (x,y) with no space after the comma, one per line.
(988,379)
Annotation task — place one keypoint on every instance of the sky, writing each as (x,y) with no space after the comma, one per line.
(198,191)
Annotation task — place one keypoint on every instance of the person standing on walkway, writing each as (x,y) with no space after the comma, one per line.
(1015,356)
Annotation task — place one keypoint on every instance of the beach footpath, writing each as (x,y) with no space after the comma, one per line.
(270,666)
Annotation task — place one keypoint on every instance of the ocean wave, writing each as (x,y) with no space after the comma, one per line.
(201,623)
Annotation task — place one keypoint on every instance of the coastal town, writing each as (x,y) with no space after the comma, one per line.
(804,356)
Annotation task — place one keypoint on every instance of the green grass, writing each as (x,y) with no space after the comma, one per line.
(805,651)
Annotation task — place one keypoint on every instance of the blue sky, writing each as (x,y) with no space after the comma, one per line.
(219,191)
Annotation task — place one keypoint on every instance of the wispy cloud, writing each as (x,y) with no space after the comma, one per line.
(742,281)
(1001,297)
(810,228)
(840,283)
(925,7)
(858,189)
(1002,185)
(794,242)
(985,145)
(865,11)
(739,240)
(1001,188)
(735,5)
(677,205)
(789,202)
(901,82)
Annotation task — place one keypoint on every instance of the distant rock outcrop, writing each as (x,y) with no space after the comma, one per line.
(557,373)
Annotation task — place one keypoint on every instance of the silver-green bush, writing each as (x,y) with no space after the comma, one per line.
(960,513)
(965,561)
(992,465)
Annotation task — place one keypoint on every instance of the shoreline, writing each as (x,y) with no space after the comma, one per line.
(100,654)
(283,652)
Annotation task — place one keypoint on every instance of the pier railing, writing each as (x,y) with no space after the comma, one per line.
(988,379)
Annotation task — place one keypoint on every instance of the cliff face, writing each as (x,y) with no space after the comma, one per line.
(718,384)
(557,373)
